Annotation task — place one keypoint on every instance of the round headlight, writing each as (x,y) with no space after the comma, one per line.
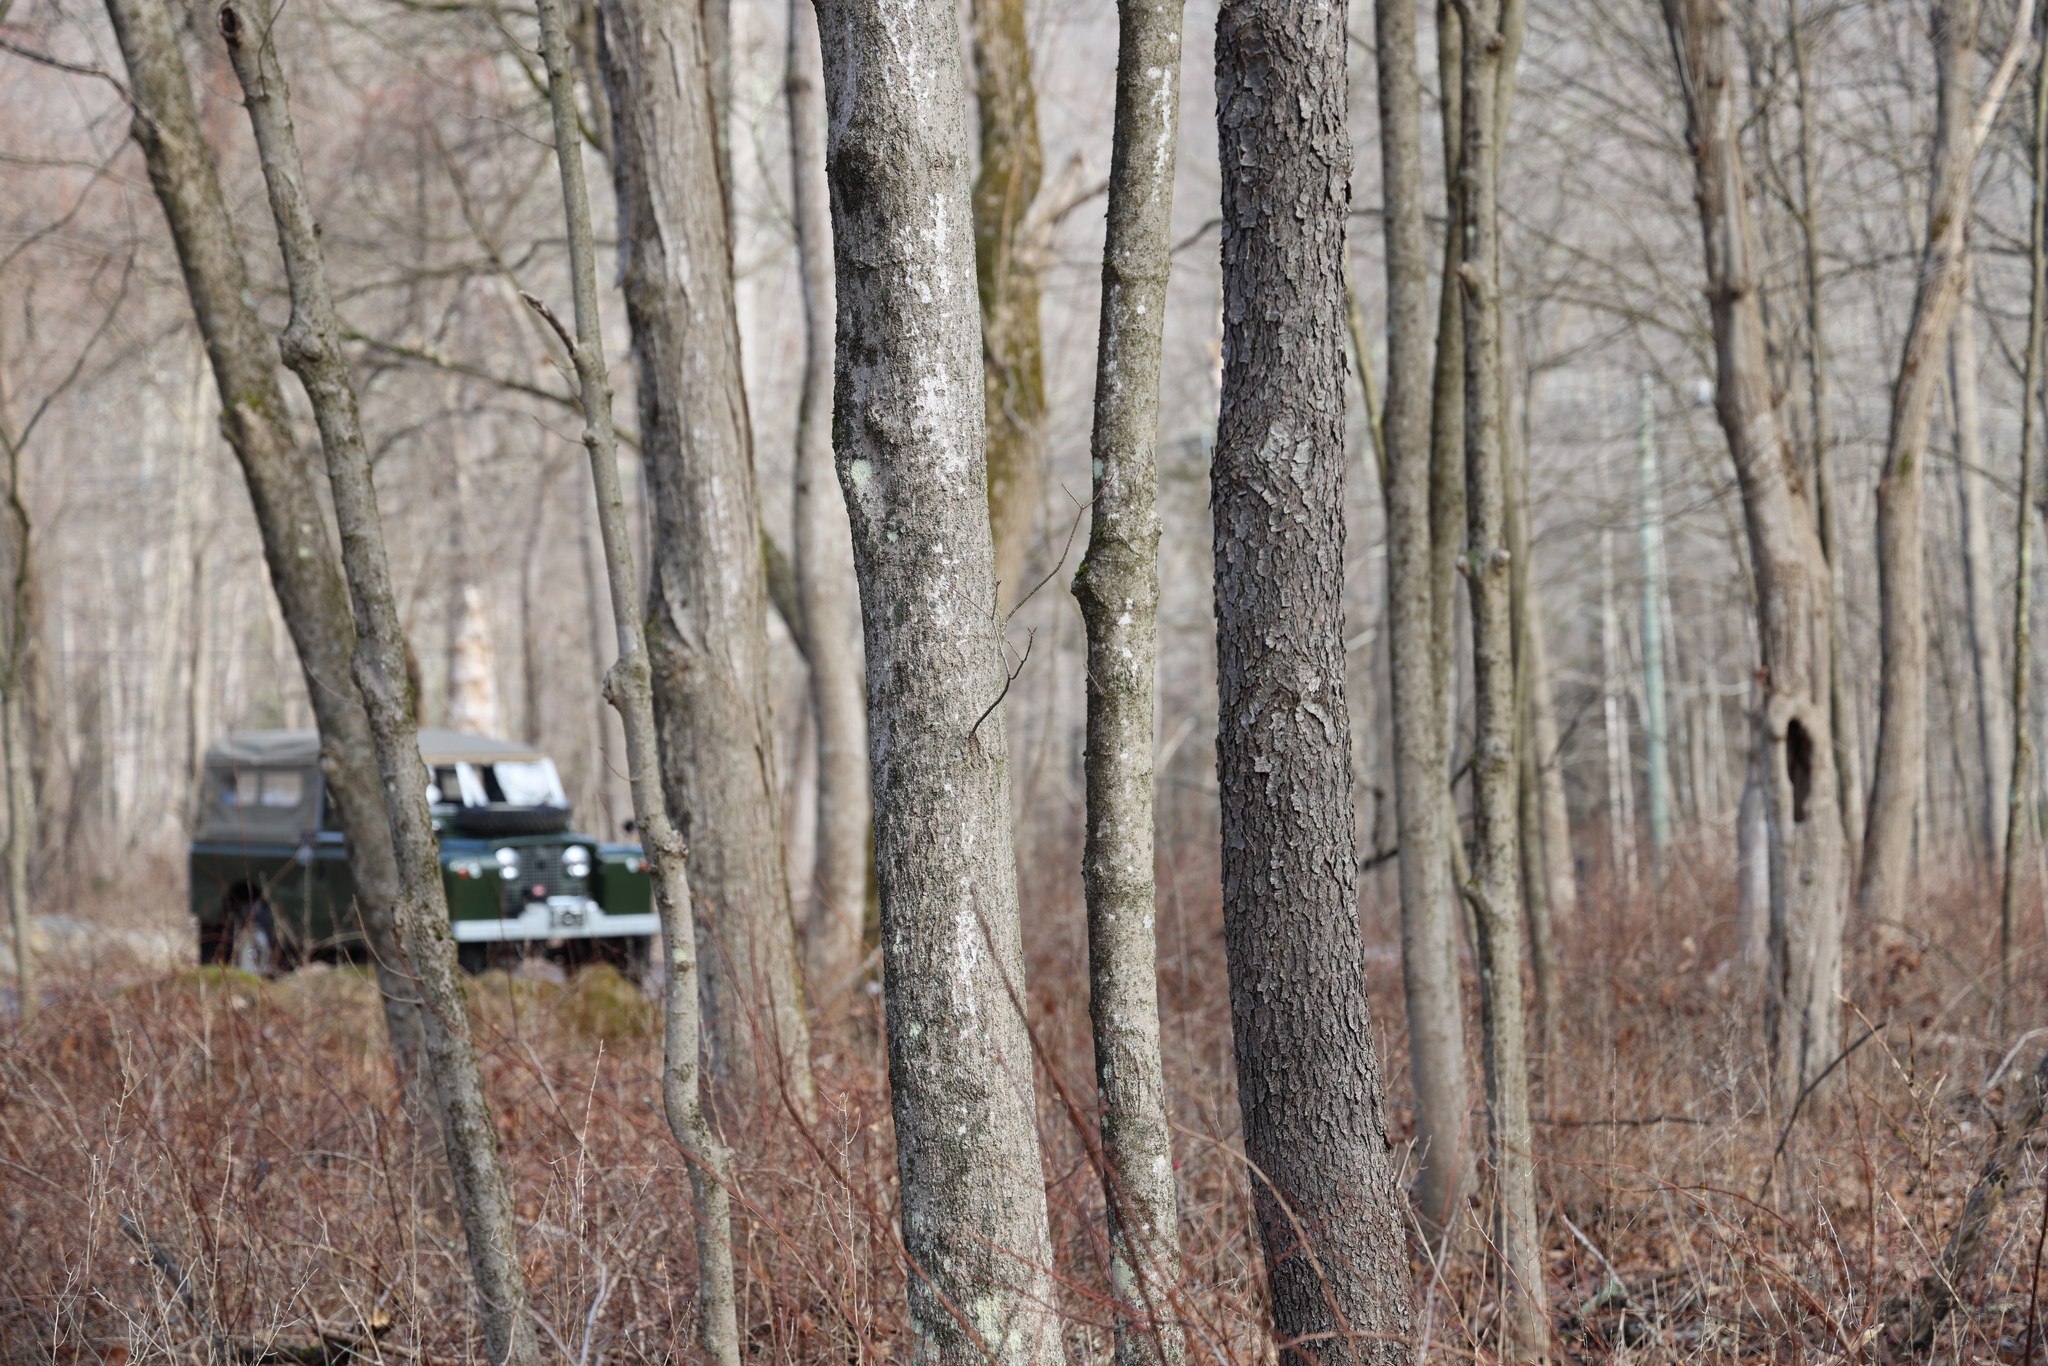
(576,861)
(508,864)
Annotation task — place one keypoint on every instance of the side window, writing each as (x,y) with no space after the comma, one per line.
(284,789)
(447,786)
(240,787)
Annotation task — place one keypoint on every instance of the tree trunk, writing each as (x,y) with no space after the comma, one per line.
(1429,948)
(1806,850)
(2018,813)
(1118,591)
(707,605)
(1848,740)
(1008,274)
(1533,867)
(1960,127)
(824,559)
(1493,887)
(1656,726)
(311,347)
(1621,810)
(1560,869)
(907,430)
(1994,737)
(1753,856)
(629,687)
(305,571)
(1308,1077)
(19,625)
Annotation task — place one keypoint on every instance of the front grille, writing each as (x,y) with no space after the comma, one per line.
(540,866)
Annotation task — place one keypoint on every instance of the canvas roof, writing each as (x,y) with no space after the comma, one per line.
(283,747)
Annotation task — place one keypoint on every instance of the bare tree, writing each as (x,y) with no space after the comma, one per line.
(1980,599)
(1489,45)
(1429,949)
(305,569)
(707,605)
(1008,274)
(19,624)
(2018,781)
(824,557)
(907,430)
(629,686)
(1118,589)
(1308,1077)
(1962,122)
(311,348)
(1793,585)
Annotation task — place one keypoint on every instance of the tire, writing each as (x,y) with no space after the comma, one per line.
(215,945)
(510,820)
(473,959)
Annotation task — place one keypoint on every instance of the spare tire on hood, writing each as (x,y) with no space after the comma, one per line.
(509,820)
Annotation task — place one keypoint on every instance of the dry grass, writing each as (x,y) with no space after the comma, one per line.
(252,1132)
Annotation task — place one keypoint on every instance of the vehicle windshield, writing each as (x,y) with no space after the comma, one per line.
(508,782)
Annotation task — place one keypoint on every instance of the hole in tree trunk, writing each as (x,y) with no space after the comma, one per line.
(1799,766)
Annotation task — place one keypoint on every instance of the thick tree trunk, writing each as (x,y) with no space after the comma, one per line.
(707,605)
(1118,590)
(1008,275)
(907,430)
(1494,886)
(1308,1078)
(311,347)
(629,686)
(1987,657)
(824,558)
(1960,127)
(1806,849)
(1429,948)
(305,570)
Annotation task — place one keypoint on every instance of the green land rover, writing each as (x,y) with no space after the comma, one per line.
(270,883)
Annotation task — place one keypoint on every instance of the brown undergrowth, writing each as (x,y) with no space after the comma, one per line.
(250,1135)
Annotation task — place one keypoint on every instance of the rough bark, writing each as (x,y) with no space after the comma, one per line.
(1980,595)
(824,558)
(1008,276)
(629,687)
(311,347)
(1493,888)
(1447,415)
(1961,124)
(1805,846)
(707,605)
(1308,1077)
(2020,779)
(908,436)
(1118,590)
(305,568)
(1429,949)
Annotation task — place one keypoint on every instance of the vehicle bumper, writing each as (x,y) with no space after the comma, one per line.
(559,917)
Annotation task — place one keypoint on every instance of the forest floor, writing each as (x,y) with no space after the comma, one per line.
(195,1158)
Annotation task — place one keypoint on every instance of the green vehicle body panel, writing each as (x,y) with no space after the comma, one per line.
(307,883)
